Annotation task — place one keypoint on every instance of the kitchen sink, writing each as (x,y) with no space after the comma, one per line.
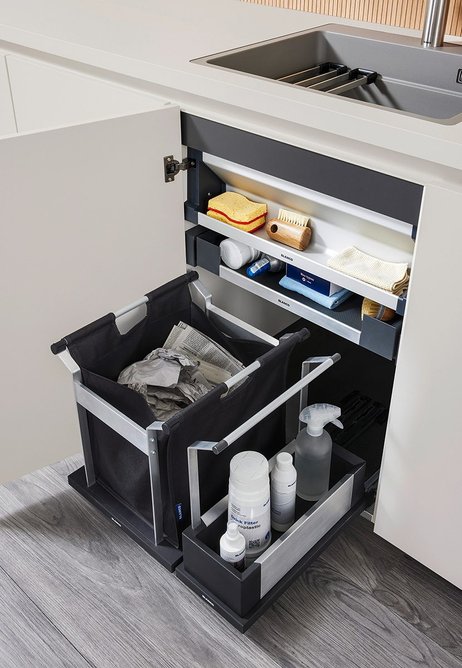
(367,66)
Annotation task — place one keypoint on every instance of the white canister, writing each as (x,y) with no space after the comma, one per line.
(236,254)
(249,501)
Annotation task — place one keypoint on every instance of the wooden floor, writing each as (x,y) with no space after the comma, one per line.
(76,591)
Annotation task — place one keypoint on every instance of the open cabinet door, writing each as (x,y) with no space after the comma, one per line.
(88,225)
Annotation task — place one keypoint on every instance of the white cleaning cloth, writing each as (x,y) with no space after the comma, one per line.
(391,276)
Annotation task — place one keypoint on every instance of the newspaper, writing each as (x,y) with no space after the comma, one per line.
(215,363)
(187,367)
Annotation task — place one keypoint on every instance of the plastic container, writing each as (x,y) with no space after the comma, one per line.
(264,264)
(236,254)
(249,501)
(232,546)
(313,450)
(283,492)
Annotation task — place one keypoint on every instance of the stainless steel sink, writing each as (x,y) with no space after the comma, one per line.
(378,68)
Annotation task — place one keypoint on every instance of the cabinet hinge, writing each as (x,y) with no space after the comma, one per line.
(173,167)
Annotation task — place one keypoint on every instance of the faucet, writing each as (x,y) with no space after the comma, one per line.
(436,17)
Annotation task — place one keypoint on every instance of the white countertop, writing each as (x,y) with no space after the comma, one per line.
(154,40)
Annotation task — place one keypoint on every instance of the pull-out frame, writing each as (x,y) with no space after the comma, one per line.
(145,440)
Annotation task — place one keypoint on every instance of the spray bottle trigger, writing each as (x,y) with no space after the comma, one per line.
(337,423)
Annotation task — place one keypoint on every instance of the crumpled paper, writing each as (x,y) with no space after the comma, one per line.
(167,379)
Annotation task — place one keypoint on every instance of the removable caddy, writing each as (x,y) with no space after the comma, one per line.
(242,597)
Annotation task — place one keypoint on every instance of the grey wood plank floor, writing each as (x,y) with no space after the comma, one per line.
(76,591)
(27,637)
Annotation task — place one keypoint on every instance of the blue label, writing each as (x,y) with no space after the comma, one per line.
(310,280)
(179,511)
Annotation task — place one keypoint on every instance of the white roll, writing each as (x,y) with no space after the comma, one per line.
(236,254)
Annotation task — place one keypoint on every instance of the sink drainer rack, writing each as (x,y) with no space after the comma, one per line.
(331,78)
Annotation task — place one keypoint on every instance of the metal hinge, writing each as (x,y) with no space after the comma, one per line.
(173,167)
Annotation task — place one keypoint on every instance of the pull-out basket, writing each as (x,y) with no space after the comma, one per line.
(136,468)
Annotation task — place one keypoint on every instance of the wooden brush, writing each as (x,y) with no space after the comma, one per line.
(290,228)
(376,311)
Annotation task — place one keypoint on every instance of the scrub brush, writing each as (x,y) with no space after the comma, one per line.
(290,228)
(376,311)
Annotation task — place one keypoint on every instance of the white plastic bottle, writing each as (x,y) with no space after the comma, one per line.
(232,546)
(313,450)
(249,501)
(283,492)
(236,254)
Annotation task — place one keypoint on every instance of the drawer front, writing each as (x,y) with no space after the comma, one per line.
(302,536)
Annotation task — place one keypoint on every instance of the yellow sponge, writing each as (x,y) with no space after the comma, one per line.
(238,211)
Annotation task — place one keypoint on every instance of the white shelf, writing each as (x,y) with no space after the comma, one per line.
(344,321)
(313,259)
(251,180)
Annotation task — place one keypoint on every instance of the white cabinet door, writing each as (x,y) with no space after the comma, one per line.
(419,504)
(88,226)
(7,121)
(46,96)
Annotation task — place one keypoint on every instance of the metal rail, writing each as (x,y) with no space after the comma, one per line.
(216,448)
(330,77)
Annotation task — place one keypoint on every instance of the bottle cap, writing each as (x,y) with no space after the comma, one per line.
(249,471)
(318,415)
(284,461)
(233,529)
(233,533)
(235,254)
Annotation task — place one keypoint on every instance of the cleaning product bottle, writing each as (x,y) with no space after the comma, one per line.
(232,546)
(283,492)
(313,450)
(265,263)
(249,501)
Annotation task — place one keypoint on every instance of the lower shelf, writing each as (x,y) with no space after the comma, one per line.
(382,338)
(131,524)
(345,320)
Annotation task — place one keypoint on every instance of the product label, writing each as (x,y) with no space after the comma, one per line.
(283,504)
(254,523)
(234,558)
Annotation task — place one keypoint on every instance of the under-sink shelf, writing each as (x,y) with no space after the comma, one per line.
(313,260)
(382,338)
(345,320)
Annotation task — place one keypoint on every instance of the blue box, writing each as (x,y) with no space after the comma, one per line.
(321,285)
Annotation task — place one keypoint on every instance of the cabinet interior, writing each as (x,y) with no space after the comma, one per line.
(362,382)
(336,225)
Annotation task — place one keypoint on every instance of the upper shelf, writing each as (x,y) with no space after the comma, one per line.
(336,225)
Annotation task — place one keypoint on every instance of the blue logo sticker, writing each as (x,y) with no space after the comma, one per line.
(179,511)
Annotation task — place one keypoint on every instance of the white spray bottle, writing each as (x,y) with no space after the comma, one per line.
(313,450)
